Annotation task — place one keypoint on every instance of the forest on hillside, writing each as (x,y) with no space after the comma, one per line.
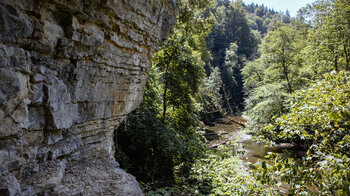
(289,75)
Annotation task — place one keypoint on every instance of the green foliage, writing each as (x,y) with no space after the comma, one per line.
(294,55)
(231,75)
(270,79)
(148,148)
(230,42)
(160,142)
(322,107)
(253,75)
(232,59)
(182,72)
(235,37)
(211,97)
(278,53)
(264,19)
(217,93)
(319,122)
(294,59)
(264,103)
(163,132)
(329,40)
(145,143)
(220,172)
(193,16)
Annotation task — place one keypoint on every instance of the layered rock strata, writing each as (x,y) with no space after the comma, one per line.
(69,73)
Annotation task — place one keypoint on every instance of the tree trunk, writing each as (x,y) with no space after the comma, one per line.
(336,63)
(164,101)
(227,98)
(285,72)
(259,77)
(227,117)
(347,54)
(289,85)
(232,120)
(166,85)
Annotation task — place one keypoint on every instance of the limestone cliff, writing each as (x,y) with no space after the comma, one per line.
(70,70)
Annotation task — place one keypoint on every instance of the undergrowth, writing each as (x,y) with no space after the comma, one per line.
(220,172)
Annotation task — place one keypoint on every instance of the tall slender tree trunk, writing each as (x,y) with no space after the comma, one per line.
(164,100)
(347,54)
(227,98)
(285,72)
(166,85)
(336,63)
(288,82)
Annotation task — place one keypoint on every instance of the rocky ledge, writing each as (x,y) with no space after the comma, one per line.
(69,73)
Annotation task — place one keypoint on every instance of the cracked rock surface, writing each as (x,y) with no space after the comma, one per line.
(70,71)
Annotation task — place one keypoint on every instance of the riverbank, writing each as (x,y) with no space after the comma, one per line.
(224,131)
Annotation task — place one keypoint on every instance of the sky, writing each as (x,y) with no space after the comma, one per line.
(282,5)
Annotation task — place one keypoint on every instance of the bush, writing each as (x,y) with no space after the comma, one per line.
(148,148)
(220,172)
(320,121)
(263,104)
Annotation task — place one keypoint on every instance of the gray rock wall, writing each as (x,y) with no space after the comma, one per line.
(70,70)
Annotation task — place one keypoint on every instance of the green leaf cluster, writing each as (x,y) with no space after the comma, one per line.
(231,42)
(319,124)
(271,79)
(298,92)
(163,132)
(296,54)
(220,172)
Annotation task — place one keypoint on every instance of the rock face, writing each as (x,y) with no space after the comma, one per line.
(69,73)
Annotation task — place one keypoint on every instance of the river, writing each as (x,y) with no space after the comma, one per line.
(224,130)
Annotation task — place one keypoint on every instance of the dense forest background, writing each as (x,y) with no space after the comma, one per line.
(290,76)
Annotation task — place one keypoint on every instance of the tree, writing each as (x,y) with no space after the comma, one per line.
(182,74)
(231,76)
(147,147)
(319,124)
(263,103)
(212,88)
(329,40)
(286,17)
(253,75)
(290,99)
(259,22)
(270,79)
(278,52)
(162,133)
(231,27)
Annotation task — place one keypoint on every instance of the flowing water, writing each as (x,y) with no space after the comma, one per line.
(224,130)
